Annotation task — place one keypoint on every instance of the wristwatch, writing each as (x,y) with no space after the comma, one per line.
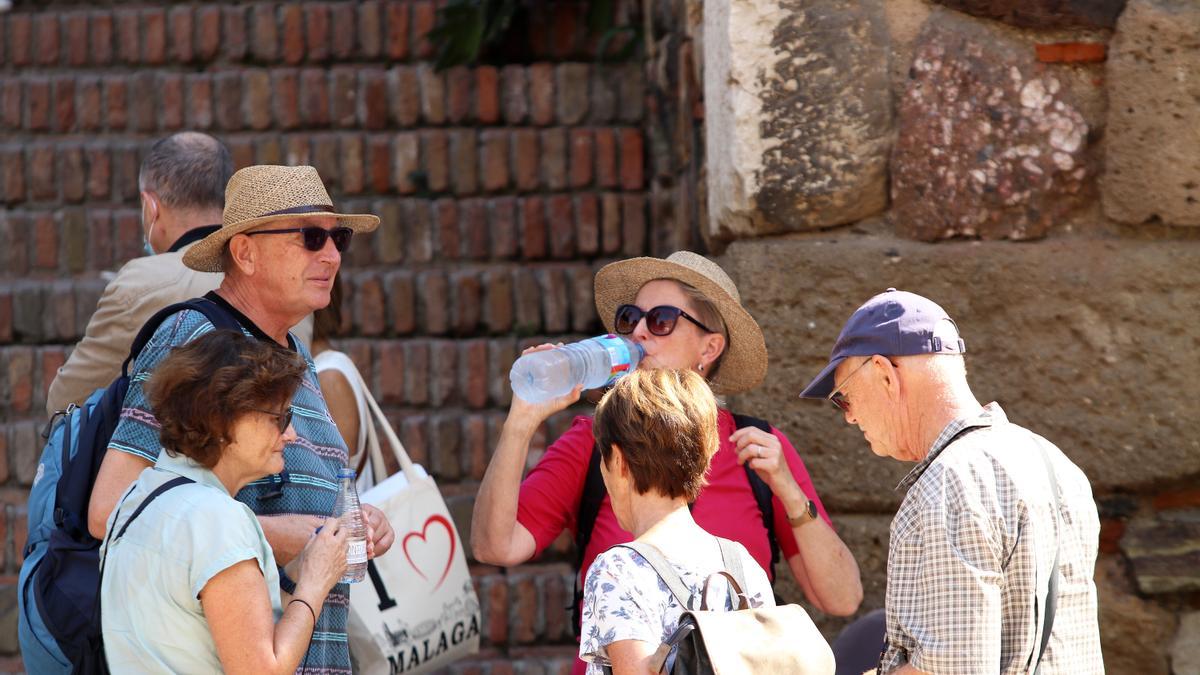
(807,516)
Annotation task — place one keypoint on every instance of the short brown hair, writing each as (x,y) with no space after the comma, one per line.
(665,422)
(200,390)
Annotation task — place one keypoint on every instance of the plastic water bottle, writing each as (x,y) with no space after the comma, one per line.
(594,362)
(347,509)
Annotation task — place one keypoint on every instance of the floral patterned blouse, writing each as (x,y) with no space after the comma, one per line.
(624,599)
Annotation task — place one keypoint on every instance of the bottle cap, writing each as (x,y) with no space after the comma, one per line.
(346,473)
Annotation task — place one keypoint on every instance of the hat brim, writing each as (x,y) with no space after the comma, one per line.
(206,254)
(744,362)
(822,384)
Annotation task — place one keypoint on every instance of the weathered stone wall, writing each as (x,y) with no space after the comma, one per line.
(1067,128)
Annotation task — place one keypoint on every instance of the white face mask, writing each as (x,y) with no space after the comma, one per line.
(146,246)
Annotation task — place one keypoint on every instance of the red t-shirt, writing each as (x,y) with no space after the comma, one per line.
(550,496)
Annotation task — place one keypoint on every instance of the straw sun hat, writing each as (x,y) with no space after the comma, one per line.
(261,194)
(744,361)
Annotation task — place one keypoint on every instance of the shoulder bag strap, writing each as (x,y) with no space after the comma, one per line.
(664,569)
(1052,586)
(762,492)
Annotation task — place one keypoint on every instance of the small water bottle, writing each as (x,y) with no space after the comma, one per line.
(594,362)
(347,509)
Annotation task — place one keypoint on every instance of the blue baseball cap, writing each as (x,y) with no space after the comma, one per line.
(893,323)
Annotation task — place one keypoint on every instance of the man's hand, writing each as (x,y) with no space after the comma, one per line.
(287,534)
(380,535)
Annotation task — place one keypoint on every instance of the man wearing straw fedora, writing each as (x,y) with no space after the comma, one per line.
(280,246)
(686,313)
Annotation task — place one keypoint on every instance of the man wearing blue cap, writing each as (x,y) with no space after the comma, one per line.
(993,549)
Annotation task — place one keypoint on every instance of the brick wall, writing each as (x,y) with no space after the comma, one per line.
(502,188)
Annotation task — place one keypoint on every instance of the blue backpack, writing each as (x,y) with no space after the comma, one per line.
(58,622)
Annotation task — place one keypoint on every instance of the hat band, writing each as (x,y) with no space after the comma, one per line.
(307,208)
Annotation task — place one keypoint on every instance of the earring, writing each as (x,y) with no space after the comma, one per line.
(700,367)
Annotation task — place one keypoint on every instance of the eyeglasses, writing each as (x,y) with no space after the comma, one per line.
(282,419)
(315,237)
(837,398)
(660,320)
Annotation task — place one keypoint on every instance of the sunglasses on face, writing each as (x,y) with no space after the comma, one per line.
(282,419)
(660,320)
(315,237)
(838,399)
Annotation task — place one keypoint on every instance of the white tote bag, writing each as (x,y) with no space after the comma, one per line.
(417,610)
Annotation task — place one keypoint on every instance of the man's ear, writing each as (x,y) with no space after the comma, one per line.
(890,374)
(243,252)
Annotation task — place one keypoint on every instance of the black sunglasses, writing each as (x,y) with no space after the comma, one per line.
(315,237)
(660,320)
(282,419)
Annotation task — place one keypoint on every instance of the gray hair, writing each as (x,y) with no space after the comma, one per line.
(187,170)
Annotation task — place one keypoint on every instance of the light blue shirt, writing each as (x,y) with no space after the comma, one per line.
(151,612)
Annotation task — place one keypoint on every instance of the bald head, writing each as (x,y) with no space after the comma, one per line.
(187,172)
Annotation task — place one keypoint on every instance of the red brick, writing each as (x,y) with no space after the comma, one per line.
(10,103)
(465,302)
(464,174)
(494,160)
(435,159)
(541,93)
(404,94)
(20,378)
(433,94)
(100,238)
(269,150)
(533,228)
(142,98)
(344,97)
(64,104)
(370,29)
(379,164)
(13,164)
(125,187)
(633,159)
(571,89)
(390,357)
(446,240)
(62,316)
(523,611)
(369,307)
(396,18)
(50,359)
(171,103)
(45,27)
(70,169)
(233,37)
(554,158)
(228,104)
(476,451)
(20,39)
(42,185)
(265,45)
(633,224)
(242,151)
(567,29)
(498,300)
(99,172)
(256,98)
(581,157)
(473,229)
(458,94)
(285,97)
(75,24)
(406,159)
(352,164)
(513,100)
(583,302)
(1177,499)
(424,18)
(128,235)
(316,29)
(487,95)
(606,158)
(208,34)
(402,296)
(373,101)
(587,224)
(526,159)
(116,101)
(502,216)
(37,93)
(15,227)
(1111,531)
(182,29)
(494,601)
(128,36)
(342,20)
(291,18)
(297,150)
(45,242)
(561,226)
(89,113)
(314,97)
(154,30)
(199,110)
(413,432)
(326,159)
(433,301)
(6,319)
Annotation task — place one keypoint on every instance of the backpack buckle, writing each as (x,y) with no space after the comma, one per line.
(60,517)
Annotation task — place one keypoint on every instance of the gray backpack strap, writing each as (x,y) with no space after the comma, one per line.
(665,571)
(1052,587)
(733,563)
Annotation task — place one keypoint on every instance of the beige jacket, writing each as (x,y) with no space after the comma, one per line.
(141,288)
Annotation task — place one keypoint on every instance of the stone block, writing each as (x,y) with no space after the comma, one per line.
(1152,169)
(1133,631)
(988,144)
(1164,550)
(1185,648)
(1043,13)
(798,114)
(1077,338)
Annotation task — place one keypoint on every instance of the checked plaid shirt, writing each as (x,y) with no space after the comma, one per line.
(971,552)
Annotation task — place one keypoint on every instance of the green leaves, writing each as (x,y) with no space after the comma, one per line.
(465,27)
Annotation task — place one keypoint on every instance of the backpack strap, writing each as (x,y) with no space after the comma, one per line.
(762,492)
(733,563)
(664,569)
(1052,586)
(589,510)
(218,316)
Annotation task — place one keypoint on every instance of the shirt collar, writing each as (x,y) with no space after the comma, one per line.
(245,321)
(193,235)
(992,414)
(188,468)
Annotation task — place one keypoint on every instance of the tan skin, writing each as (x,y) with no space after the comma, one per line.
(276,282)
(339,396)
(824,567)
(236,602)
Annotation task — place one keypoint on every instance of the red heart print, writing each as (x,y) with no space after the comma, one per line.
(432,520)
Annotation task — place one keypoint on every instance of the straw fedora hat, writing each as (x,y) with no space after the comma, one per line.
(744,361)
(262,194)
